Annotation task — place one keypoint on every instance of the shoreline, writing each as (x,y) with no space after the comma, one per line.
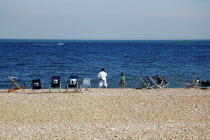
(106,114)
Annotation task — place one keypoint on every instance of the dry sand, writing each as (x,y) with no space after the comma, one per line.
(106,114)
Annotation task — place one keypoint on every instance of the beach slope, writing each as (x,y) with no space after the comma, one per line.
(106,114)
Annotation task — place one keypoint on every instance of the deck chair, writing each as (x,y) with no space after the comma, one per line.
(144,82)
(15,81)
(160,81)
(55,82)
(193,84)
(72,82)
(152,83)
(85,85)
(36,84)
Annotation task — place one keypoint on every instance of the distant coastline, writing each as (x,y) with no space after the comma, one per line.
(102,40)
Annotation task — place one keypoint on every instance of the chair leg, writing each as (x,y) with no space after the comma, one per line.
(11,87)
(42,89)
(60,87)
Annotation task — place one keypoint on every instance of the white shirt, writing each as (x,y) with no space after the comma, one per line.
(102,75)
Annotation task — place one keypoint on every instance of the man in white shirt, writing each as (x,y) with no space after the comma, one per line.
(102,78)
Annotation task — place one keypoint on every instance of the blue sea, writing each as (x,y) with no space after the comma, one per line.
(178,61)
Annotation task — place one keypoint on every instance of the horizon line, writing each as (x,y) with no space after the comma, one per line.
(107,39)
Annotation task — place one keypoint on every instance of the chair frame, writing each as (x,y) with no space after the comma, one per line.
(85,84)
(15,83)
(51,83)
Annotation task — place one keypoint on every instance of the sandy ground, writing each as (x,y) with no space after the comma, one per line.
(106,114)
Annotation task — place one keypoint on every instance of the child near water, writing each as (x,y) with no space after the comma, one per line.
(122,81)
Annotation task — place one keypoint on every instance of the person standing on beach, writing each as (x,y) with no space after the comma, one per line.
(102,78)
(122,81)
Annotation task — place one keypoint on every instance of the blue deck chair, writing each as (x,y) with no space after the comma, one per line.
(55,82)
(153,84)
(72,82)
(15,81)
(85,84)
(36,84)
(160,81)
(144,83)
(159,84)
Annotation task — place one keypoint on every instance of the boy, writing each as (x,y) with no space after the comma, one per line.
(122,81)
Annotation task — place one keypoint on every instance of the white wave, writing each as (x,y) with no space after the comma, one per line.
(60,44)
(41,44)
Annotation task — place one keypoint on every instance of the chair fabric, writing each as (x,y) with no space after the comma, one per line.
(72,82)
(55,82)
(36,84)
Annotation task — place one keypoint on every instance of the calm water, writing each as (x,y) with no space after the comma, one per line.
(177,61)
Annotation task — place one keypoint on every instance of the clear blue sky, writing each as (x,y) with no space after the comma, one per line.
(105,19)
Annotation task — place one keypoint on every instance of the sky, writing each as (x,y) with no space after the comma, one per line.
(105,19)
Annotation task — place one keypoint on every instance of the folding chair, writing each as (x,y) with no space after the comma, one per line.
(193,84)
(55,82)
(85,84)
(14,82)
(144,82)
(153,84)
(72,82)
(160,81)
(36,84)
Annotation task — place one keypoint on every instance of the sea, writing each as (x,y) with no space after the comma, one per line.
(177,61)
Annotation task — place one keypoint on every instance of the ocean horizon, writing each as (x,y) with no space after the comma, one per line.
(178,61)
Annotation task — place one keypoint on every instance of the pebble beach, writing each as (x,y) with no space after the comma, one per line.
(105,114)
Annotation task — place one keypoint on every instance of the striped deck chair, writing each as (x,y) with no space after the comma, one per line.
(193,84)
(86,84)
(15,81)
